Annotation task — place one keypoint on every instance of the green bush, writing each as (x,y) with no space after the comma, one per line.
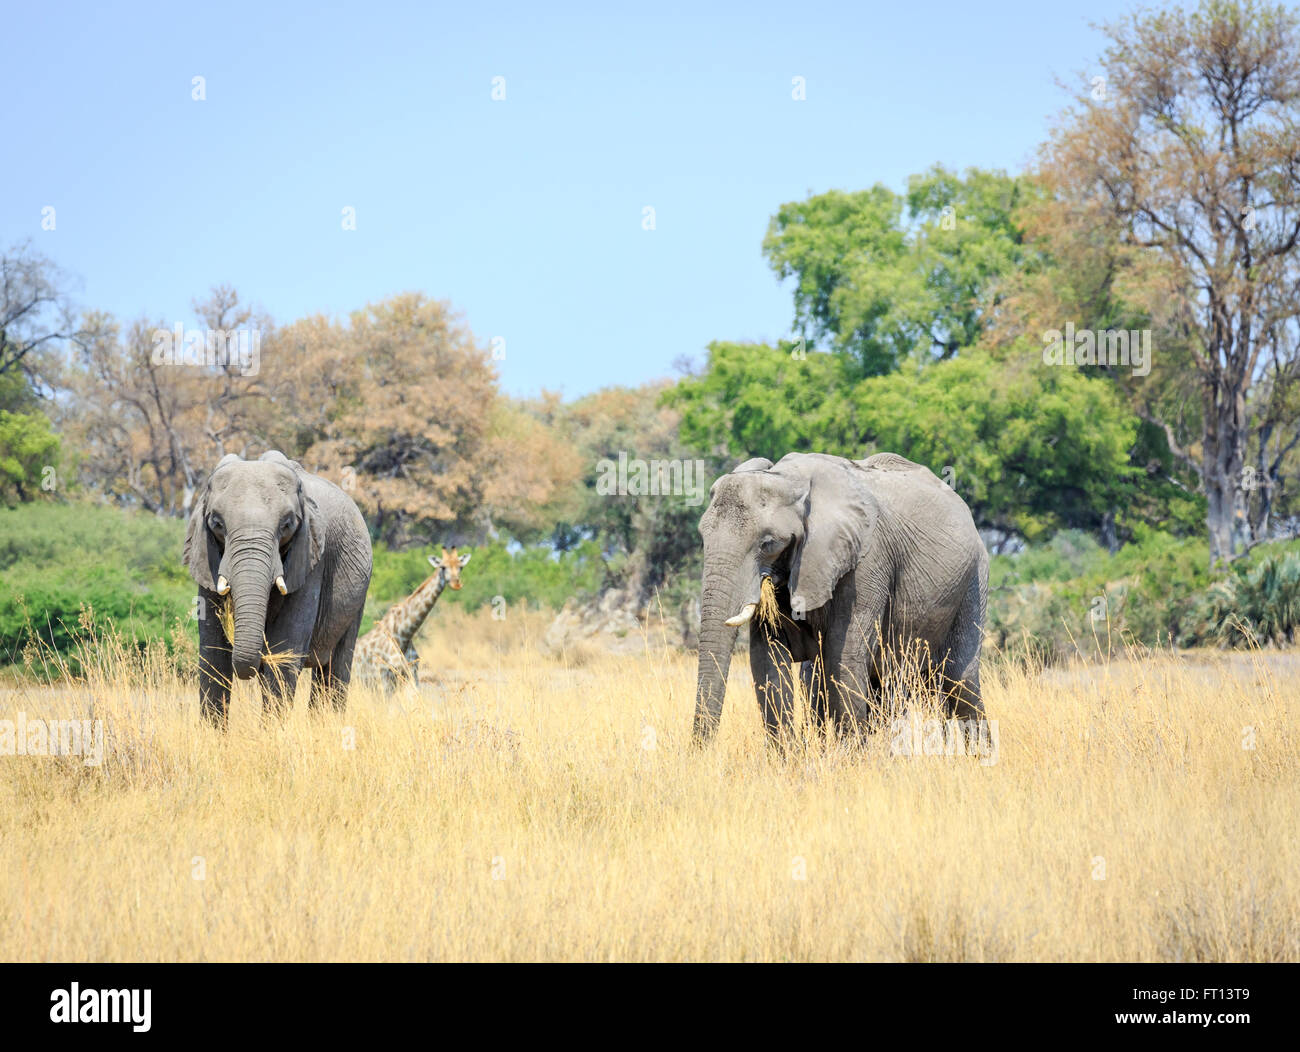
(48,605)
(1063,597)
(1253,605)
(42,534)
(1069,554)
(56,559)
(1069,596)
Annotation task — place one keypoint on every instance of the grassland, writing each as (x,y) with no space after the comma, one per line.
(529,807)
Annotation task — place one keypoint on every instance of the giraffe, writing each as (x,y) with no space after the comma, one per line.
(387,651)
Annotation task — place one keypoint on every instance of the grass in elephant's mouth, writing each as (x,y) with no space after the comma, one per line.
(226,618)
(275,662)
(769,612)
(523,808)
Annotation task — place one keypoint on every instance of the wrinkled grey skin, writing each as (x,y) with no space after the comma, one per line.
(876,555)
(254,521)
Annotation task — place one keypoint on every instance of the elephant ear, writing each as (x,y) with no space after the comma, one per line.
(308,543)
(838,518)
(202,555)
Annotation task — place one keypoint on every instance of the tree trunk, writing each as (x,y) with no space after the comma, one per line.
(1222,470)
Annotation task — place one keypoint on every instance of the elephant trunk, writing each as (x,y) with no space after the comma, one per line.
(250,566)
(717,639)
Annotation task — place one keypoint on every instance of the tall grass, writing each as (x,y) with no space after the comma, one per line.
(523,807)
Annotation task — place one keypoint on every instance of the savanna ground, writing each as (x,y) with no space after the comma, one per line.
(530,807)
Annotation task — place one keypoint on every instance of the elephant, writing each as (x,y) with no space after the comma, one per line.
(292,552)
(867,559)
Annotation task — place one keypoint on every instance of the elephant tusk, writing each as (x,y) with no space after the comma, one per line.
(746,612)
(279,583)
(223,586)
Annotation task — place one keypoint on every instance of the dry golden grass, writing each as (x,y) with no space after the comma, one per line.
(526,808)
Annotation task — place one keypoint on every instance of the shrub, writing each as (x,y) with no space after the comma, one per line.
(1069,596)
(1252,606)
(56,559)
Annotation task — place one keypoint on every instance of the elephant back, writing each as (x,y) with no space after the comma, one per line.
(890,462)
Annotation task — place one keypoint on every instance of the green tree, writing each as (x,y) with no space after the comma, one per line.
(28,447)
(1189,155)
(884,277)
(35,319)
(648,539)
(1030,449)
(756,400)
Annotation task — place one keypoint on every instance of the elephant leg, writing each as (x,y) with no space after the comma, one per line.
(329,682)
(279,682)
(851,685)
(961,668)
(813,674)
(854,700)
(215,671)
(774,673)
(851,648)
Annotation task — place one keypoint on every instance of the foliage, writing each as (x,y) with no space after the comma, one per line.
(151,415)
(398,403)
(28,447)
(30,299)
(1029,448)
(1067,554)
(36,315)
(1253,605)
(1071,597)
(403,396)
(751,399)
(1207,98)
(883,277)
(648,540)
(58,559)
(80,533)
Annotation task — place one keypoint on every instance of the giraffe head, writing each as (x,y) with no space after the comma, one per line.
(450,564)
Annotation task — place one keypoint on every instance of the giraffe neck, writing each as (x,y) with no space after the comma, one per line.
(415,609)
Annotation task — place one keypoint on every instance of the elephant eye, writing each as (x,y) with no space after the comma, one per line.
(769,545)
(287,526)
(215,524)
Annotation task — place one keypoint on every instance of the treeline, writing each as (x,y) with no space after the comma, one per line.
(1108,343)
(398,403)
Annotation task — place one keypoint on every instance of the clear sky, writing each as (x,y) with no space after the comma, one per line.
(526,213)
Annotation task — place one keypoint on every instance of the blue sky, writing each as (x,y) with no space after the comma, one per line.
(525,213)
